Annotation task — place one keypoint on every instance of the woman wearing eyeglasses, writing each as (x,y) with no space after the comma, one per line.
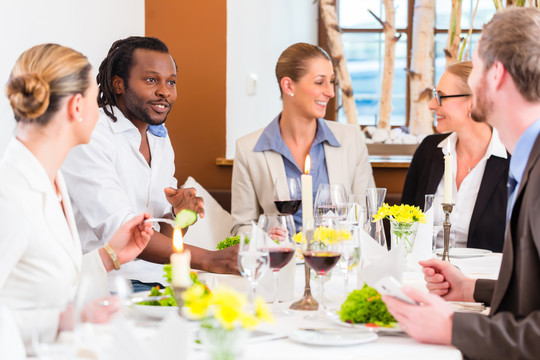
(480,166)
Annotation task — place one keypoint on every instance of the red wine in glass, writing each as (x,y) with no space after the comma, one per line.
(288,206)
(321,261)
(280,256)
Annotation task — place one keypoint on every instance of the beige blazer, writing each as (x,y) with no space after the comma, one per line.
(254,173)
(40,252)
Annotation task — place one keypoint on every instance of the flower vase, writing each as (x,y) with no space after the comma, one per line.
(403,236)
(223,344)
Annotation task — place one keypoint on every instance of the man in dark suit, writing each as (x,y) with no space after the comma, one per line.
(506,84)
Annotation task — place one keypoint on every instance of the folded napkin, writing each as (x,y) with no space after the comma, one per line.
(422,249)
(377,262)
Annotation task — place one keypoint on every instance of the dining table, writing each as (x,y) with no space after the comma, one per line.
(292,337)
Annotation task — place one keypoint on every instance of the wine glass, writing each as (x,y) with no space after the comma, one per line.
(322,253)
(253,259)
(350,250)
(279,231)
(331,201)
(434,202)
(287,195)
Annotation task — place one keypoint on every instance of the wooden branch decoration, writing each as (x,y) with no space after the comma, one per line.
(454,32)
(390,39)
(421,118)
(329,17)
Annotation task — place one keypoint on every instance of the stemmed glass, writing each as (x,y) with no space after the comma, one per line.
(287,195)
(331,201)
(350,251)
(322,253)
(279,231)
(253,259)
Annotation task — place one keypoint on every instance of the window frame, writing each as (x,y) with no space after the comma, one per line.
(333,107)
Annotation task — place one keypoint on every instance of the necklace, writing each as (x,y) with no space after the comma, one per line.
(474,162)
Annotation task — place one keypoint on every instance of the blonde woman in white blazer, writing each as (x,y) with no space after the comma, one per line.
(338,152)
(54,99)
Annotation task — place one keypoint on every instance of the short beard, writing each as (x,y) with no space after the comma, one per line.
(480,112)
(134,109)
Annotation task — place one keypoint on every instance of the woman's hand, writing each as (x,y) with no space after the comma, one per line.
(131,238)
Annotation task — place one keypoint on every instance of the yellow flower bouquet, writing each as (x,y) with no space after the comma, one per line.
(225,316)
(404,221)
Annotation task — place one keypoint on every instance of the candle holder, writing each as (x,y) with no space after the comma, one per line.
(447,208)
(178,292)
(307,302)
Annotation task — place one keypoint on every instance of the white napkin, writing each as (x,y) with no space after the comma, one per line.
(422,242)
(377,261)
(172,340)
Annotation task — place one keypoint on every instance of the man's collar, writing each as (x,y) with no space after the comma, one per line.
(122,123)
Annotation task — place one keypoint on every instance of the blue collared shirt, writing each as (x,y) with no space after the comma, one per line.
(271,140)
(520,157)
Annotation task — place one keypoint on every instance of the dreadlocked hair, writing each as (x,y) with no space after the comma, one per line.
(118,62)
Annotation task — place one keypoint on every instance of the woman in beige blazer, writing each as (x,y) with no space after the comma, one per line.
(338,152)
(54,99)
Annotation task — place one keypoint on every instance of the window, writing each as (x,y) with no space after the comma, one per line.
(363,42)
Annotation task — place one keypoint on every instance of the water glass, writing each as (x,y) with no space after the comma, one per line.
(253,259)
(374,200)
(331,201)
(433,202)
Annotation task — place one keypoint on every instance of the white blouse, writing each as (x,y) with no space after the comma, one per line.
(464,199)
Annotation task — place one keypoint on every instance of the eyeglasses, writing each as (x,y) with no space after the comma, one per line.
(440,97)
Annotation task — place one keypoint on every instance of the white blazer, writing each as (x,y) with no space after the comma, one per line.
(40,252)
(254,173)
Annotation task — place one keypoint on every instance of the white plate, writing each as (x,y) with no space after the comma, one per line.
(464,252)
(155,312)
(334,317)
(332,339)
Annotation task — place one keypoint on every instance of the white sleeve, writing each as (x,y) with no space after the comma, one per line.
(97,194)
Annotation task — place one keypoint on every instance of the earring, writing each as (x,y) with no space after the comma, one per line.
(291,94)
(469,114)
(80,120)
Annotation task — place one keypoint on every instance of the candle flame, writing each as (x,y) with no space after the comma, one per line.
(178,243)
(307,165)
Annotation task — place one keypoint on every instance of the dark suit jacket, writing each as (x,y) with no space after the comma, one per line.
(486,229)
(512,331)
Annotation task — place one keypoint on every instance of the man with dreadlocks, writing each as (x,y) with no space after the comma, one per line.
(128,166)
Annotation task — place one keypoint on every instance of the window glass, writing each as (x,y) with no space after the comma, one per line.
(443,9)
(355,14)
(365,56)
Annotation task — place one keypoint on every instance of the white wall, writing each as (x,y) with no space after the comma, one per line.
(89,26)
(257,32)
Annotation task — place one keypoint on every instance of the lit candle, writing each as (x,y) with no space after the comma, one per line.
(180,261)
(448,175)
(307,196)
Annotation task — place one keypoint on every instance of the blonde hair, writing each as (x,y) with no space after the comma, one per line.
(42,77)
(462,70)
(292,61)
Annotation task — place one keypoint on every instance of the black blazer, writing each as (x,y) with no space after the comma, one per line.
(486,229)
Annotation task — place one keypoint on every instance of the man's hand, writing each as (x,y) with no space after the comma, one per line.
(445,280)
(185,198)
(430,322)
(221,262)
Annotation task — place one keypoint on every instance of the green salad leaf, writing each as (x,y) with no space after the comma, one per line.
(365,306)
(230,241)
(156,291)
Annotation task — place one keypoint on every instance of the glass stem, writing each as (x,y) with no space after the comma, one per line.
(251,295)
(322,306)
(276,288)
(346,281)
